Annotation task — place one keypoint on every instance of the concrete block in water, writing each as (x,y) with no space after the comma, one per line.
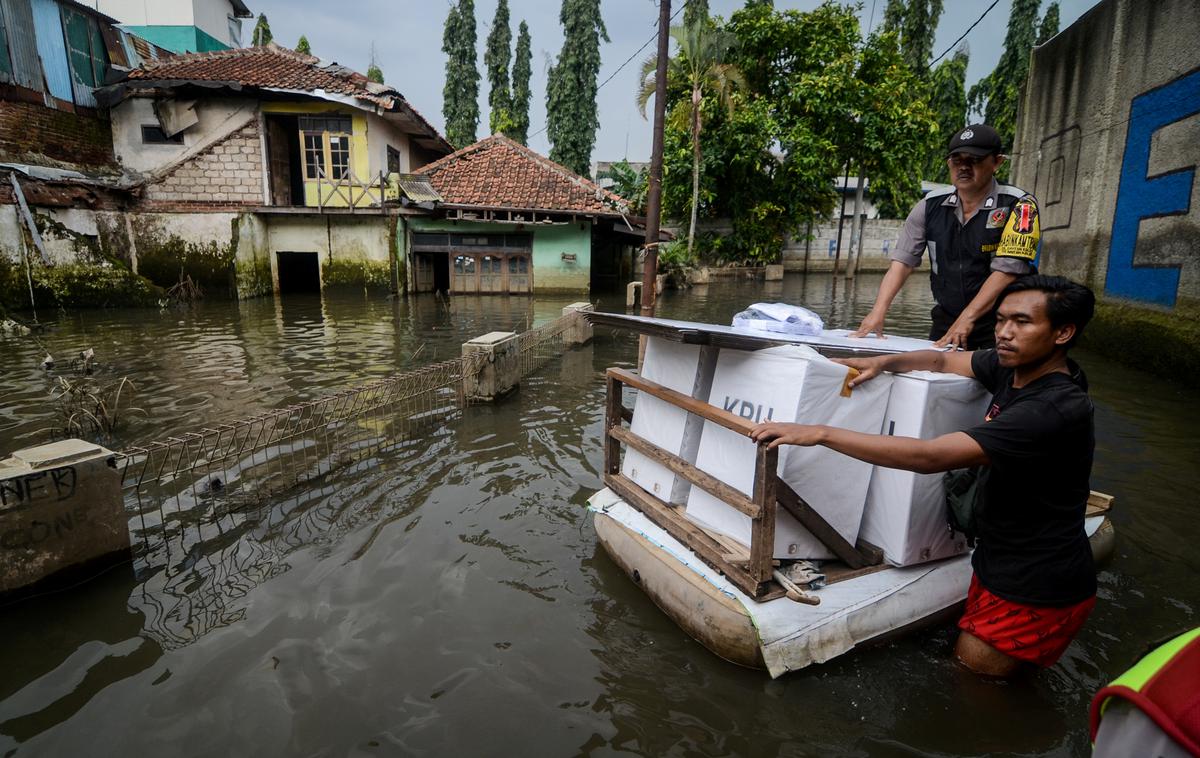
(60,508)
(579,333)
(500,371)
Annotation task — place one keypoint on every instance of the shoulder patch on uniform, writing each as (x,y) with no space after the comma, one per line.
(1022,231)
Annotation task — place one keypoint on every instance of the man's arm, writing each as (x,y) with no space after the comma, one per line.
(950,451)
(984,300)
(907,256)
(940,361)
(893,280)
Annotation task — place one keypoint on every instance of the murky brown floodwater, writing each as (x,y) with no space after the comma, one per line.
(448,597)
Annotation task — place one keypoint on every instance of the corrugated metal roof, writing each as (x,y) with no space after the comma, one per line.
(52,47)
(418,188)
(27,71)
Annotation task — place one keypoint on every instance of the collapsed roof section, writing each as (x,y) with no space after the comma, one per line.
(274,71)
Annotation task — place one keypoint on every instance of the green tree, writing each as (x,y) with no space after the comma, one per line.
(571,115)
(630,183)
(521,72)
(460,93)
(497,57)
(997,94)
(695,11)
(920,25)
(262,32)
(893,16)
(1049,25)
(948,98)
(815,97)
(374,73)
(302,46)
(700,65)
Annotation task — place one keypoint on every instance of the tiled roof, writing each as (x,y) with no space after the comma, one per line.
(276,68)
(497,172)
(269,66)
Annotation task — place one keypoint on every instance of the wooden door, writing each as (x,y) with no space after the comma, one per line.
(519,273)
(423,273)
(491,274)
(277,149)
(464,273)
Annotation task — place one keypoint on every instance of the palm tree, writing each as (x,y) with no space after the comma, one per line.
(700,63)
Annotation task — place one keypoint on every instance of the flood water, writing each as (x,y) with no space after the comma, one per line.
(447,596)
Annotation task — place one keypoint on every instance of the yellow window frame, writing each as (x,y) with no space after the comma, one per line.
(326,154)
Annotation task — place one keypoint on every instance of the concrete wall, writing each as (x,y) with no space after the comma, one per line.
(351,250)
(218,118)
(380,135)
(1108,138)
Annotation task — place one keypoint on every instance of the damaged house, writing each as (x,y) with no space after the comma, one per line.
(250,171)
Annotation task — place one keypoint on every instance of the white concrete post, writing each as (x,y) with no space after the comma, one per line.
(633,294)
(580,333)
(499,373)
(60,508)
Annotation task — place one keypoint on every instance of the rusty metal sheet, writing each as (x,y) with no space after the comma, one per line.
(18,17)
(114,45)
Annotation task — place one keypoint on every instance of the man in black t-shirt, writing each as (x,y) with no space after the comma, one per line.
(1034,582)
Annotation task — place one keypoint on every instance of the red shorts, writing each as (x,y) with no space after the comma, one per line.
(1034,633)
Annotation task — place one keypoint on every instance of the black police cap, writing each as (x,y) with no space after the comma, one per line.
(976,139)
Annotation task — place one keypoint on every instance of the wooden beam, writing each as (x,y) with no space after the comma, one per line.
(762,529)
(674,463)
(820,528)
(690,404)
(691,536)
(612,422)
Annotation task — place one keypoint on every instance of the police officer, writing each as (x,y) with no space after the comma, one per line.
(981,235)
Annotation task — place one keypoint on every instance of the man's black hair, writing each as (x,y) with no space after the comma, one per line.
(1067,302)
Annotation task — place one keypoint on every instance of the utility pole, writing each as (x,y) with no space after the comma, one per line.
(654,194)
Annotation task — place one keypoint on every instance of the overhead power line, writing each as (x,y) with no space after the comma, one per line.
(964,34)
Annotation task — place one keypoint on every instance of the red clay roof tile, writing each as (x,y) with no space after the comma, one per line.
(497,172)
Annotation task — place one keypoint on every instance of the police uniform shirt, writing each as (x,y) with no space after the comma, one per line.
(1003,235)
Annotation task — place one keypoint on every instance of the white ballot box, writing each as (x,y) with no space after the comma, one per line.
(795,384)
(684,368)
(906,512)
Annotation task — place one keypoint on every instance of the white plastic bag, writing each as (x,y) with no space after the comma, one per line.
(781,318)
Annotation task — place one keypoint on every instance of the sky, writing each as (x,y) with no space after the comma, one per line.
(407,40)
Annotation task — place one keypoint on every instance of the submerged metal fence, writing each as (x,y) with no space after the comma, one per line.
(216,511)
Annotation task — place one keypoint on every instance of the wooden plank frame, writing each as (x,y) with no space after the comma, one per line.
(755,576)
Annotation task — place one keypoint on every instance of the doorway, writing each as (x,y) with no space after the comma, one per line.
(298,272)
(283,151)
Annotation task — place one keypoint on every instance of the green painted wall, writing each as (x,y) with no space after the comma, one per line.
(550,272)
(179,39)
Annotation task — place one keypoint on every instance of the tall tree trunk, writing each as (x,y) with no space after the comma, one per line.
(695,169)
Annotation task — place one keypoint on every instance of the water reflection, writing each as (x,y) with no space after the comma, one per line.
(445,593)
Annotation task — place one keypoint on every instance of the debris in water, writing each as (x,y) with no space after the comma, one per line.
(48,362)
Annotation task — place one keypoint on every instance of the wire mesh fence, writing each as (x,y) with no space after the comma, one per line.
(217,510)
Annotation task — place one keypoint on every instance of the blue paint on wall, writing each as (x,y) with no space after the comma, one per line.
(1139,197)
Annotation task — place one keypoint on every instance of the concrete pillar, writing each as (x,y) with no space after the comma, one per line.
(580,333)
(499,373)
(774,272)
(60,508)
(633,294)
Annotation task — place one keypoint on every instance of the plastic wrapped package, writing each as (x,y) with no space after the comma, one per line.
(796,384)
(906,512)
(684,368)
(780,318)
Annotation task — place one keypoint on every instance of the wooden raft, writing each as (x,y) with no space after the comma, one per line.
(753,574)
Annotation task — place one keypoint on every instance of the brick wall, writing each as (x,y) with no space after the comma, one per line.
(223,175)
(30,133)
